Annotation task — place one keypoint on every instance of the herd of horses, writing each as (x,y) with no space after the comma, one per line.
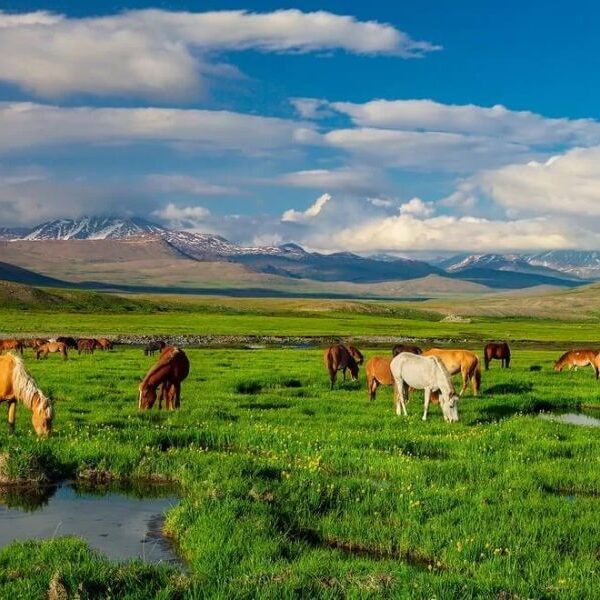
(408,368)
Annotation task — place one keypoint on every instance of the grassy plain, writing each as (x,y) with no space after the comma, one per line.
(291,490)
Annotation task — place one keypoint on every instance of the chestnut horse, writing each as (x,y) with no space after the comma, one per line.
(168,372)
(464,362)
(33,343)
(104,344)
(338,358)
(86,346)
(499,350)
(406,348)
(6,345)
(43,350)
(378,373)
(17,384)
(579,358)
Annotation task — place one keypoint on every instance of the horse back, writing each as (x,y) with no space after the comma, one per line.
(378,368)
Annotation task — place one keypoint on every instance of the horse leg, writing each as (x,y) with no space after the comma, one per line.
(426,403)
(332,376)
(465,381)
(401,400)
(177,391)
(12,409)
(486,362)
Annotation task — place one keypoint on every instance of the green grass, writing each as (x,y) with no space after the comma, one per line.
(291,490)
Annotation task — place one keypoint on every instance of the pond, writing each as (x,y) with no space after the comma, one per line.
(122,523)
(572,418)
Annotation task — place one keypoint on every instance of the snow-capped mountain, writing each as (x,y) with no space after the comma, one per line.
(92,228)
(577,263)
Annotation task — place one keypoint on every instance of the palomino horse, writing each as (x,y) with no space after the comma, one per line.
(464,362)
(7,345)
(579,358)
(499,350)
(406,348)
(338,358)
(153,347)
(169,371)
(50,347)
(17,384)
(86,346)
(426,373)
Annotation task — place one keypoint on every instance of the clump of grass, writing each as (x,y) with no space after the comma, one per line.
(249,387)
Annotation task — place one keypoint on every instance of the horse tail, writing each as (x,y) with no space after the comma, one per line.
(476,376)
(26,389)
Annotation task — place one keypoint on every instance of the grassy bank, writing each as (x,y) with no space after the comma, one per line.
(290,489)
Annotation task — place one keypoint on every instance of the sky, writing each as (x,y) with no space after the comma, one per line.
(382,127)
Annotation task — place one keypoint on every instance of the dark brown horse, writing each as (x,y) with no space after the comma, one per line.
(168,372)
(499,350)
(406,348)
(338,358)
(70,342)
(356,354)
(11,344)
(153,347)
(86,346)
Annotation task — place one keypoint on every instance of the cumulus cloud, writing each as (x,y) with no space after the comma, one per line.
(416,207)
(295,216)
(159,53)
(26,124)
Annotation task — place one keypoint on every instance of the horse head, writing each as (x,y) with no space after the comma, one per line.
(41,417)
(146,396)
(449,405)
(558,366)
(353,366)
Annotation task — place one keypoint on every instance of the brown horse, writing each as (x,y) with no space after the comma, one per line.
(464,362)
(406,348)
(17,384)
(168,372)
(33,343)
(104,344)
(51,347)
(356,354)
(86,346)
(12,344)
(338,358)
(499,350)
(70,342)
(378,373)
(579,358)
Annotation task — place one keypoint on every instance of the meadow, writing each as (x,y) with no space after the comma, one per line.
(288,489)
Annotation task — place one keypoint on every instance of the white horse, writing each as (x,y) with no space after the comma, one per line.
(424,373)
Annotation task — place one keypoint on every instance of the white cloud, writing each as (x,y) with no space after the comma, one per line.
(521,127)
(184,217)
(186,184)
(25,124)
(348,179)
(380,202)
(166,54)
(295,216)
(416,207)
(311,108)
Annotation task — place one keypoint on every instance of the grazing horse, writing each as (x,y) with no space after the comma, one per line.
(12,344)
(338,358)
(579,358)
(104,344)
(33,343)
(426,373)
(378,373)
(70,342)
(86,346)
(17,384)
(499,350)
(50,347)
(153,347)
(406,348)
(464,362)
(356,354)
(169,371)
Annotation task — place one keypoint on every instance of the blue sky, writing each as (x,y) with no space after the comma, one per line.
(372,127)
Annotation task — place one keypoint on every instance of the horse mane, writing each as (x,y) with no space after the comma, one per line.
(446,373)
(26,390)
(162,361)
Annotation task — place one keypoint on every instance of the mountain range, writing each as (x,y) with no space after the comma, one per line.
(130,245)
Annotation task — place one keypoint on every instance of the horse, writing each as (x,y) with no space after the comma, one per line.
(104,344)
(426,373)
(464,362)
(356,354)
(12,344)
(499,350)
(70,342)
(579,358)
(338,358)
(17,384)
(378,373)
(33,343)
(406,348)
(86,346)
(169,371)
(153,347)
(50,347)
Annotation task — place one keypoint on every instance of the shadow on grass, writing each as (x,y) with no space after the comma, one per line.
(501,389)
(265,405)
